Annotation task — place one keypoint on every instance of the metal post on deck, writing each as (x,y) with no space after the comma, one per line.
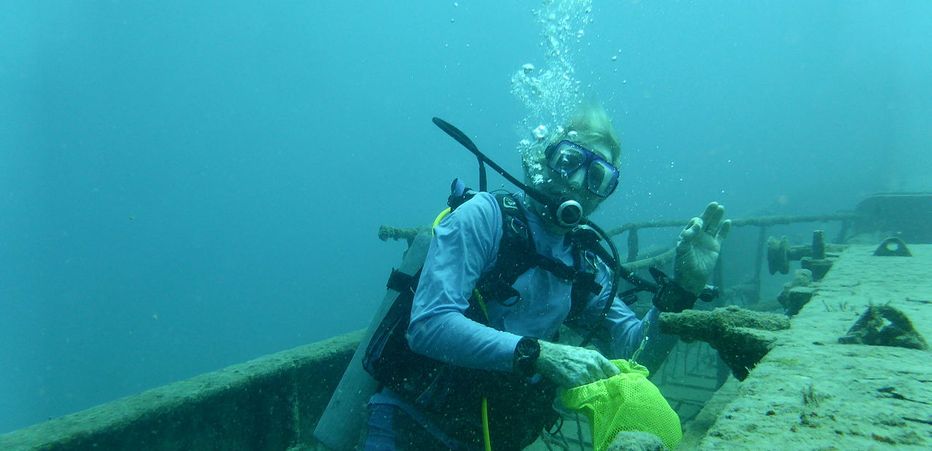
(633,245)
(759,260)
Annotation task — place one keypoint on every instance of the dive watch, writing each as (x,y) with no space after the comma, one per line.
(526,353)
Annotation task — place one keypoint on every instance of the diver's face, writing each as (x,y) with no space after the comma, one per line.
(576,184)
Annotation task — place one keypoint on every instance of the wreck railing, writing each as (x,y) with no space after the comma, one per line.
(270,403)
(636,262)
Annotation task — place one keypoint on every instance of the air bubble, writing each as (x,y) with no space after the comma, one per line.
(550,90)
(540,132)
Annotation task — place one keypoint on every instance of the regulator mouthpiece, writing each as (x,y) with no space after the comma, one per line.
(568,213)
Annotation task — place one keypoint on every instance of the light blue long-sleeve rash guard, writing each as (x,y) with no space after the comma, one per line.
(464,247)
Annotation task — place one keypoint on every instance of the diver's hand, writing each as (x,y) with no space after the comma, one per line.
(698,248)
(570,366)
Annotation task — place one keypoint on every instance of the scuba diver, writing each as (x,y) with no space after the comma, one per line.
(476,359)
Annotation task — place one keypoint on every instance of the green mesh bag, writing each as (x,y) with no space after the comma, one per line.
(622,403)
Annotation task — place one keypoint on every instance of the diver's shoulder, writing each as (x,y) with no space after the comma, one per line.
(483,199)
(482,205)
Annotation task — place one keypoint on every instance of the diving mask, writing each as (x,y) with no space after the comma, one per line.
(566,158)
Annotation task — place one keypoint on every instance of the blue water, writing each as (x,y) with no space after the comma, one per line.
(188,185)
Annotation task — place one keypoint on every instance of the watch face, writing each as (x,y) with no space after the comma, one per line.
(526,353)
(528,348)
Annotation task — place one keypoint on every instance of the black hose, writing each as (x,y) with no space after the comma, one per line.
(461,138)
(616,269)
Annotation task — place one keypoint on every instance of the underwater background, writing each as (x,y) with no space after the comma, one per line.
(188,185)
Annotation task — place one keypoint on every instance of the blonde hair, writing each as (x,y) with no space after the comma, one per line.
(591,126)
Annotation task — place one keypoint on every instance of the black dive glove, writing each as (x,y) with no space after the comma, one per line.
(671,297)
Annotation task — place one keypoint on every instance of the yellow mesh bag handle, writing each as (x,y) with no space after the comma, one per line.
(625,402)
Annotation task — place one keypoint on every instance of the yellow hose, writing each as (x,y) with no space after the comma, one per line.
(486,438)
(439,217)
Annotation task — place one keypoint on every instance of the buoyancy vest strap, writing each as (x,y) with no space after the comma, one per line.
(399,281)
(558,269)
(516,254)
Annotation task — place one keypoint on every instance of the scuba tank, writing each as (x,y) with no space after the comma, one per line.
(345,416)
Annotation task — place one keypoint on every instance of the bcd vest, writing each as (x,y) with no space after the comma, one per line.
(518,408)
